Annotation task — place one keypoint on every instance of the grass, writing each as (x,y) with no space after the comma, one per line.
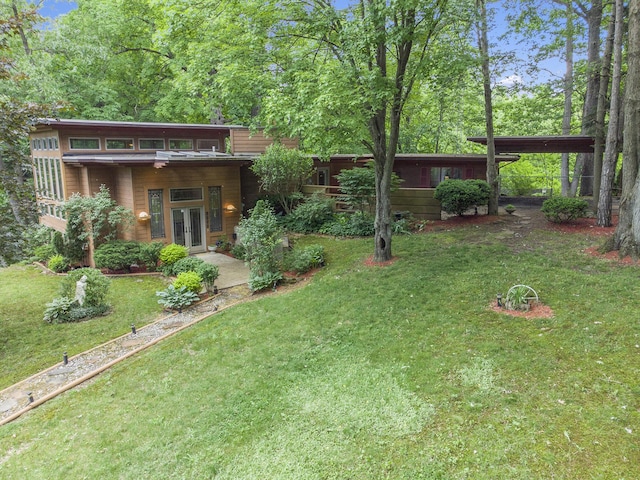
(29,345)
(398,372)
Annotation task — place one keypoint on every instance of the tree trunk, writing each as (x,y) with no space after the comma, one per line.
(568,92)
(627,235)
(611,150)
(492,169)
(605,75)
(584,164)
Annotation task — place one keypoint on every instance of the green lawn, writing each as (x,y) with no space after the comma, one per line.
(29,345)
(399,372)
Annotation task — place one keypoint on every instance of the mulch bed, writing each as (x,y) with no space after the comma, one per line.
(537,310)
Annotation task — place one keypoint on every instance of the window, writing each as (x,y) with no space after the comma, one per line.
(119,144)
(181,144)
(84,144)
(156,210)
(151,144)
(209,145)
(438,174)
(215,209)
(185,194)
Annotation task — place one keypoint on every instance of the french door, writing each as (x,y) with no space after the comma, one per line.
(189,228)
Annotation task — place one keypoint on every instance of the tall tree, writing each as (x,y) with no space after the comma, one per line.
(627,236)
(612,150)
(16,117)
(492,169)
(358,66)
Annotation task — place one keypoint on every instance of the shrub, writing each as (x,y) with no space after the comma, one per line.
(209,273)
(171,254)
(260,234)
(457,196)
(176,298)
(150,254)
(358,187)
(358,224)
(301,260)
(191,280)
(43,252)
(563,209)
(262,282)
(187,264)
(238,251)
(78,313)
(58,311)
(309,216)
(96,290)
(58,263)
(117,255)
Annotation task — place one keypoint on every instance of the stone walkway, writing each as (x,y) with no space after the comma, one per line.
(37,389)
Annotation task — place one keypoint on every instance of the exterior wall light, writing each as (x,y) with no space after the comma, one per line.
(144,217)
(230,208)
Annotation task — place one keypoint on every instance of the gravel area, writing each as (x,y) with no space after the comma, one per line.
(37,389)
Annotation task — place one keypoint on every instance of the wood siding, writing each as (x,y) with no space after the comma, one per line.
(244,142)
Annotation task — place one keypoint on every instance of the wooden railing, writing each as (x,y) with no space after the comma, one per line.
(418,201)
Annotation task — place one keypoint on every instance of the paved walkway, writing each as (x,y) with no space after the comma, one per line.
(233,272)
(43,386)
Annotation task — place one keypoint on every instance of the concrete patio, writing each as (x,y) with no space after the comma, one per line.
(233,272)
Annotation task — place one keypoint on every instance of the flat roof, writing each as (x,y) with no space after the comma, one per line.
(429,157)
(68,122)
(541,144)
(157,159)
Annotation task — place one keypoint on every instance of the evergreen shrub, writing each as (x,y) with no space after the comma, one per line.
(187,264)
(58,263)
(191,280)
(96,290)
(171,254)
(308,217)
(357,224)
(117,255)
(563,209)
(150,254)
(457,196)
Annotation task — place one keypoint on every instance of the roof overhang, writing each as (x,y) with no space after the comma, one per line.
(543,144)
(67,122)
(426,158)
(158,159)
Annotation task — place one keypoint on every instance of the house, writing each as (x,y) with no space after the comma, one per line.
(177,178)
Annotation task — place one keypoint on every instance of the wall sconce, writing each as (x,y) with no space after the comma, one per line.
(144,217)
(230,208)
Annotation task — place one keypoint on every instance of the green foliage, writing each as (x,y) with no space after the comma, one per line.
(301,260)
(170,255)
(98,217)
(58,263)
(260,234)
(96,290)
(239,251)
(59,310)
(309,216)
(176,298)
(44,253)
(209,273)
(357,224)
(358,187)
(564,209)
(457,196)
(518,178)
(187,264)
(150,254)
(282,171)
(262,282)
(117,255)
(58,242)
(78,313)
(191,280)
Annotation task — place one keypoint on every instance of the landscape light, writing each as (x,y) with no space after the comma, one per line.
(499,298)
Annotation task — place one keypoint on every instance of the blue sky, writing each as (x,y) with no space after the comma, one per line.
(53,8)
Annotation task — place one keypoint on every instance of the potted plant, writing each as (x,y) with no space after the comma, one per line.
(510,209)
